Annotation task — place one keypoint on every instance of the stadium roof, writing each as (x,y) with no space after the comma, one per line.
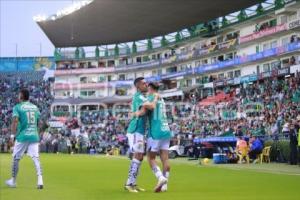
(103,22)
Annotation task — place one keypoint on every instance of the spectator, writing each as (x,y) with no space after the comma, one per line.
(256,148)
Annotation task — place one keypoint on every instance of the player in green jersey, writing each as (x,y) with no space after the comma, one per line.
(136,135)
(158,137)
(25,127)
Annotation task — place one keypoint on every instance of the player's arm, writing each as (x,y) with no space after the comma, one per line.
(140,112)
(147,106)
(151,105)
(15,120)
(14,125)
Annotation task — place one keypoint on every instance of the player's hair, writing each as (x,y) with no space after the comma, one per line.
(137,80)
(154,86)
(25,94)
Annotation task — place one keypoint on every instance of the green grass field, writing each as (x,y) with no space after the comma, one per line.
(74,177)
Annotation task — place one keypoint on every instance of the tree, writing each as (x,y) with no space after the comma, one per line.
(116,50)
(279,4)
(134,48)
(259,9)
(242,15)
(97,52)
(178,37)
(77,53)
(225,21)
(163,41)
(149,44)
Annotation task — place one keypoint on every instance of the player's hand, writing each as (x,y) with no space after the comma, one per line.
(132,114)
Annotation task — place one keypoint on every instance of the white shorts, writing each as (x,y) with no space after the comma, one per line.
(136,142)
(21,147)
(157,145)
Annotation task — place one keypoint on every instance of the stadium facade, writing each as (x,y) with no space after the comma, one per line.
(239,49)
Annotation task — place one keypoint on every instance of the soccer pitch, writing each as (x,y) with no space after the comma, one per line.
(74,177)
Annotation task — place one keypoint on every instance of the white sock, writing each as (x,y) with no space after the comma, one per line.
(15,169)
(133,171)
(167,174)
(37,165)
(40,180)
(157,172)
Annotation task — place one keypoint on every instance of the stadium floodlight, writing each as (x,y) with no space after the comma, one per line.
(76,6)
(40,18)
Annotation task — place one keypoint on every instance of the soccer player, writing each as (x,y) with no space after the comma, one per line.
(159,136)
(135,134)
(25,127)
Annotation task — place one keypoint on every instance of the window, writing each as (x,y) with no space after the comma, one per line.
(146,58)
(274,44)
(129,61)
(293,17)
(83,80)
(221,76)
(221,58)
(110,63)
(273,22)
(230,74)
(171,69)
(189,82)
(183,67)
(159,72)
(266,46)
(83,93)
(257,49)
(204,62)
(122,77)
(229,56)
(93,79)
(102,64)
(109,78)
(123,61)
(102,78)
(91,93)
(285,41)
(198,80)
(283,19)
(213,60)
(138,59)
(275,65)
(266,67)
(220,39)
(121,91)
(285,62)
(130,76)
(237,73)
(87,93)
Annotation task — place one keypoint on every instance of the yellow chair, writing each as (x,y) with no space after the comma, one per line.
(265,155)
(116,151)
(243,154)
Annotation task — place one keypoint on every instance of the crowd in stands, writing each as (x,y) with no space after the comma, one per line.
(268,107)
(262,108)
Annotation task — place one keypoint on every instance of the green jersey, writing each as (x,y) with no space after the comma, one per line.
(28,115)
(137,124)
(159,127)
